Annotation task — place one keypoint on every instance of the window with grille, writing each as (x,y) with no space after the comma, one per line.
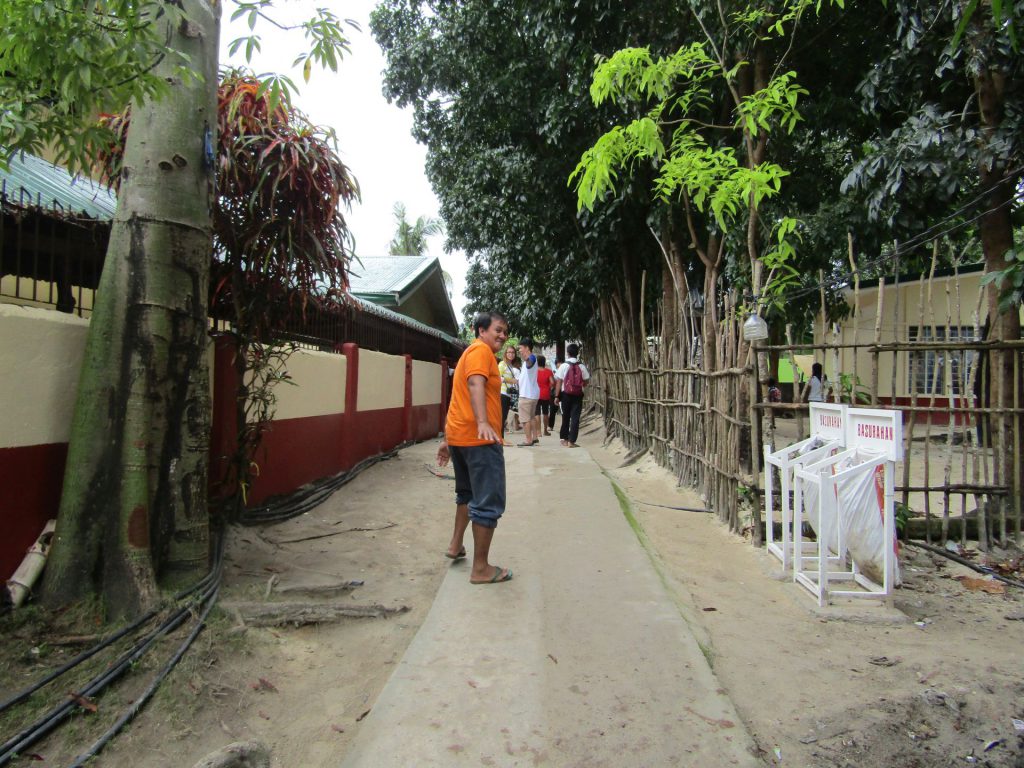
(941,371)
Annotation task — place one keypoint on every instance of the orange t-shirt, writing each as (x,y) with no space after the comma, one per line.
(460,427)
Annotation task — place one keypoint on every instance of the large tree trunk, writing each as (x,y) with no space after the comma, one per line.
(133,508)
(996,230)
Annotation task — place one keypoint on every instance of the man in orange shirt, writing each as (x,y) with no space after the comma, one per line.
(473,444)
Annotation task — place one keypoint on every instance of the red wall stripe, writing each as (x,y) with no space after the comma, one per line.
(30,482)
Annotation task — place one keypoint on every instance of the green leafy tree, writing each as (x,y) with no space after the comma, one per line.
(411,239)
(133,511)
(280,239)
(63,61)
(948,152)
(498,92)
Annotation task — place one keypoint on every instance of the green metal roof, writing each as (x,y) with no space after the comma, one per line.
(391,275)
(376,309)
(390,281)
(31,182)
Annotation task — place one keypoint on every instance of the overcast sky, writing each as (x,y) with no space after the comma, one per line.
(374,138)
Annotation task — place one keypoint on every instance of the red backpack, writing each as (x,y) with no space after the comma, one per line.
(572,384)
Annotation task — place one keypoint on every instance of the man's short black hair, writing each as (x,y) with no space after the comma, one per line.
(483,321)
(573,350)
(527,342)
(542,361)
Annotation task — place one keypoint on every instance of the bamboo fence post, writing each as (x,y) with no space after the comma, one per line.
(798,392)
(880,305)
(934,384)
(896,320)
(967,449)
(978,426)
(908,434)
(999,464)
(1016,445)
(956,389)
(755,452)
(856,315)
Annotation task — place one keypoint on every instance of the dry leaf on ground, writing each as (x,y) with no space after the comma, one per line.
(990,586)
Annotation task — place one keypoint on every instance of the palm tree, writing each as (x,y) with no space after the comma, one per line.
(411,239)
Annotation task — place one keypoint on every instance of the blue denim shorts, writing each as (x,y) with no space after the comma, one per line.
(480,481)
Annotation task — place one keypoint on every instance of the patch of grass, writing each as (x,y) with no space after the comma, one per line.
(709,654)
(659,568)
(627,511)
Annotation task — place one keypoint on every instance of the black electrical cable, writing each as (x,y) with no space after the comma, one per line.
(20,697)
(146,695)
(705,510)
(45,724)
(106,642)
(292,506)
(309,496)
(964,561)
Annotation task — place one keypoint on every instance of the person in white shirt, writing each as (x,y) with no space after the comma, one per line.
(816,391)
(570,379)
(529,392)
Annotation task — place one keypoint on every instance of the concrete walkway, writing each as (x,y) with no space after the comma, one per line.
(581,660)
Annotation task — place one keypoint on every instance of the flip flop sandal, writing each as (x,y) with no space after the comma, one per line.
(497,578)
(461,554)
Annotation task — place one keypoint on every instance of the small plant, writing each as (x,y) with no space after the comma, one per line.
(852,390)
(903,515)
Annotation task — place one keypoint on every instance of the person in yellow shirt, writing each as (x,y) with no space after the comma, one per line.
(472,442)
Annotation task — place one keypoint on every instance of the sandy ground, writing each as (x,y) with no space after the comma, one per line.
(936,683)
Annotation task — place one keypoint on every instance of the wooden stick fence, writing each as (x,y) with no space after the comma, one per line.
(701,415)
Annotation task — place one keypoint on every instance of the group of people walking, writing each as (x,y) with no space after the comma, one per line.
(484,392)
(534,394)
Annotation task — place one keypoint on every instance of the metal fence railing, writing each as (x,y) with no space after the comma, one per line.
(49,257)
(52,259)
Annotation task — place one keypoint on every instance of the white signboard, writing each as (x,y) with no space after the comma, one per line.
(876,430)
(829,420)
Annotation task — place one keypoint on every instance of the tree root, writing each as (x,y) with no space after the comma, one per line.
(297,614)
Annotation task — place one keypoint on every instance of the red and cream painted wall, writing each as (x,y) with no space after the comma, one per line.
(339,410)
(40,356)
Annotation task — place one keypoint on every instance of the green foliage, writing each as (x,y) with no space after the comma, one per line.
(62,61)
(693,164)
(1009,281)
(903,515)
(773,105)
(779,258)
(324,32)
(852,390)
(411,239)
(499,95)
(709,167)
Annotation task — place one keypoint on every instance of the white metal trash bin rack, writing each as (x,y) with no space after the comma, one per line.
(828,426)
(875,439)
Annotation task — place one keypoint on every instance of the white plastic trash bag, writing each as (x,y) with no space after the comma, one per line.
(829,532)
(861,496)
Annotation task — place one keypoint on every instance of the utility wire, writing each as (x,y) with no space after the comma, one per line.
(931,233)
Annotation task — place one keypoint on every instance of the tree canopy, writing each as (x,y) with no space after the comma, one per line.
(133,515)
(869,136)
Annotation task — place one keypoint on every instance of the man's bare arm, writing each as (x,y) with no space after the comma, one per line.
(478,401)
